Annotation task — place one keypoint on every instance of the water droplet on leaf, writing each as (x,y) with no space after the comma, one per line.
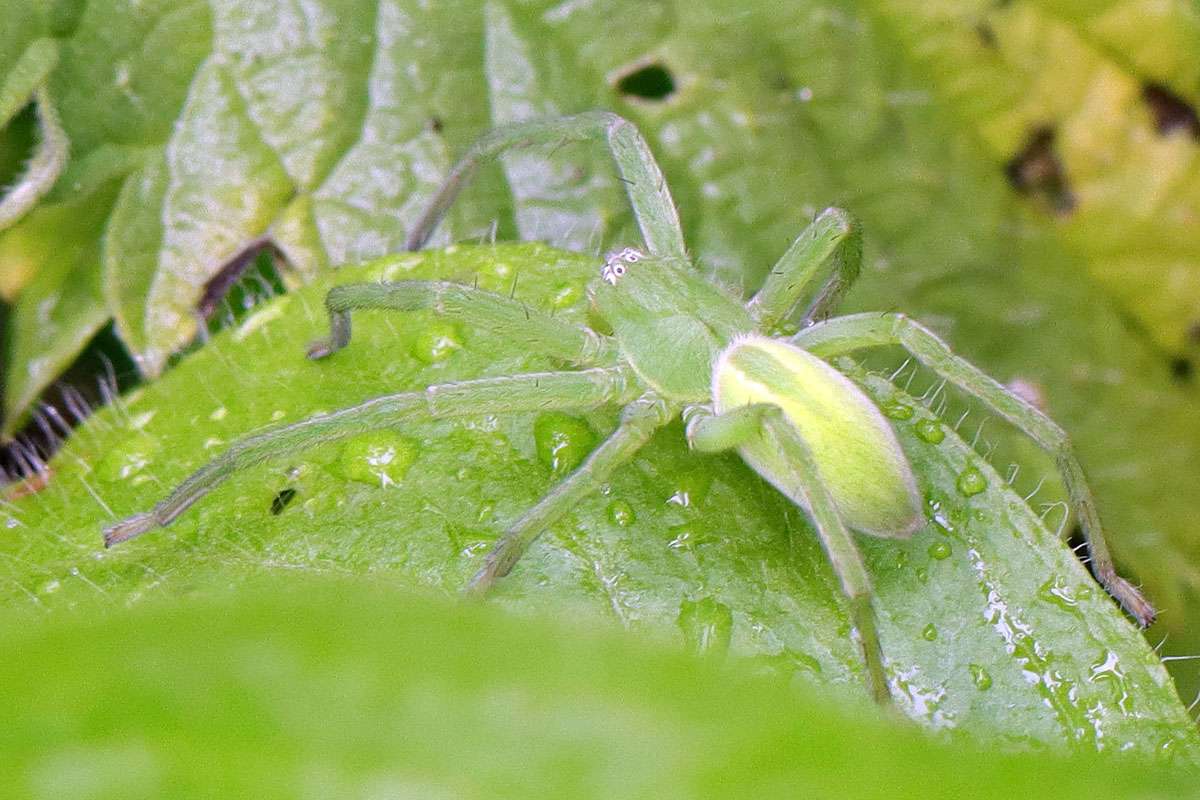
(690,488)
(930,430)
(971,482)
(686,536)
(929,633)
(565,296)
(562,441)
(1056,592)
(128,458)
(981,677)
(897,410)
(381,458)
(940,550)
(621,514)
(437,342)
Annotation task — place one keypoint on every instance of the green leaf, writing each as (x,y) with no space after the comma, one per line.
(379,693)
(990,625)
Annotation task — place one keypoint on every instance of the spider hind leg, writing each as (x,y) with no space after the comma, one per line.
(842,335)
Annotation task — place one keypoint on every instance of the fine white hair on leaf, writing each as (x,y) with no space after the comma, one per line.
(1047,508)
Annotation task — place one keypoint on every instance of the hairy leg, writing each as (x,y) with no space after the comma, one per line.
(532,392)
(638,423)
(814,273)
(711,433)
(844,334)
(647,189)
(510,319)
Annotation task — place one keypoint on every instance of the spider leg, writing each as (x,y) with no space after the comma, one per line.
(647,189)
(814,273)
(510,319)
(707,432)
(844,334)
(639,421)
(537,391)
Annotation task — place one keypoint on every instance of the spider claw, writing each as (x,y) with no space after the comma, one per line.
(483,580)
(1133,602)
(319,349)
(129,528)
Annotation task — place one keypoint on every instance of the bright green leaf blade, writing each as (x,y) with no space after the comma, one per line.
(990,625)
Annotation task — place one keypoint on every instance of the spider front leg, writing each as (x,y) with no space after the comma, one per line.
(821,264)
(644,182)
(844,334)
(639,421)
(503,316)
(540,391)
(709,433)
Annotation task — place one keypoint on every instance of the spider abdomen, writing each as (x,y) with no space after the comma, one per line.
(852,444)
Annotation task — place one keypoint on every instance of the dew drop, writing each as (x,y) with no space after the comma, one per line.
(1056,592)
(940,550)
(707,625)
(690,488)
(1107,670)
(930,430)
(437,342)
(219,414)
(565,296)
(685,537)
(922,575)
(381,458)
(621,514)
(128,458)
(11,522)
(971,482)
(562,441)
(897,410)
(981,677)
(49,587)
(929,633)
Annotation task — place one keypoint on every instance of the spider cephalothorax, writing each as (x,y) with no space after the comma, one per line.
(681,346)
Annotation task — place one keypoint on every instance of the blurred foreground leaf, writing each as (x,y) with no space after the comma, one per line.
(378,694)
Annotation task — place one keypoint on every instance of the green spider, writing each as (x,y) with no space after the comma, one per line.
(681,346)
